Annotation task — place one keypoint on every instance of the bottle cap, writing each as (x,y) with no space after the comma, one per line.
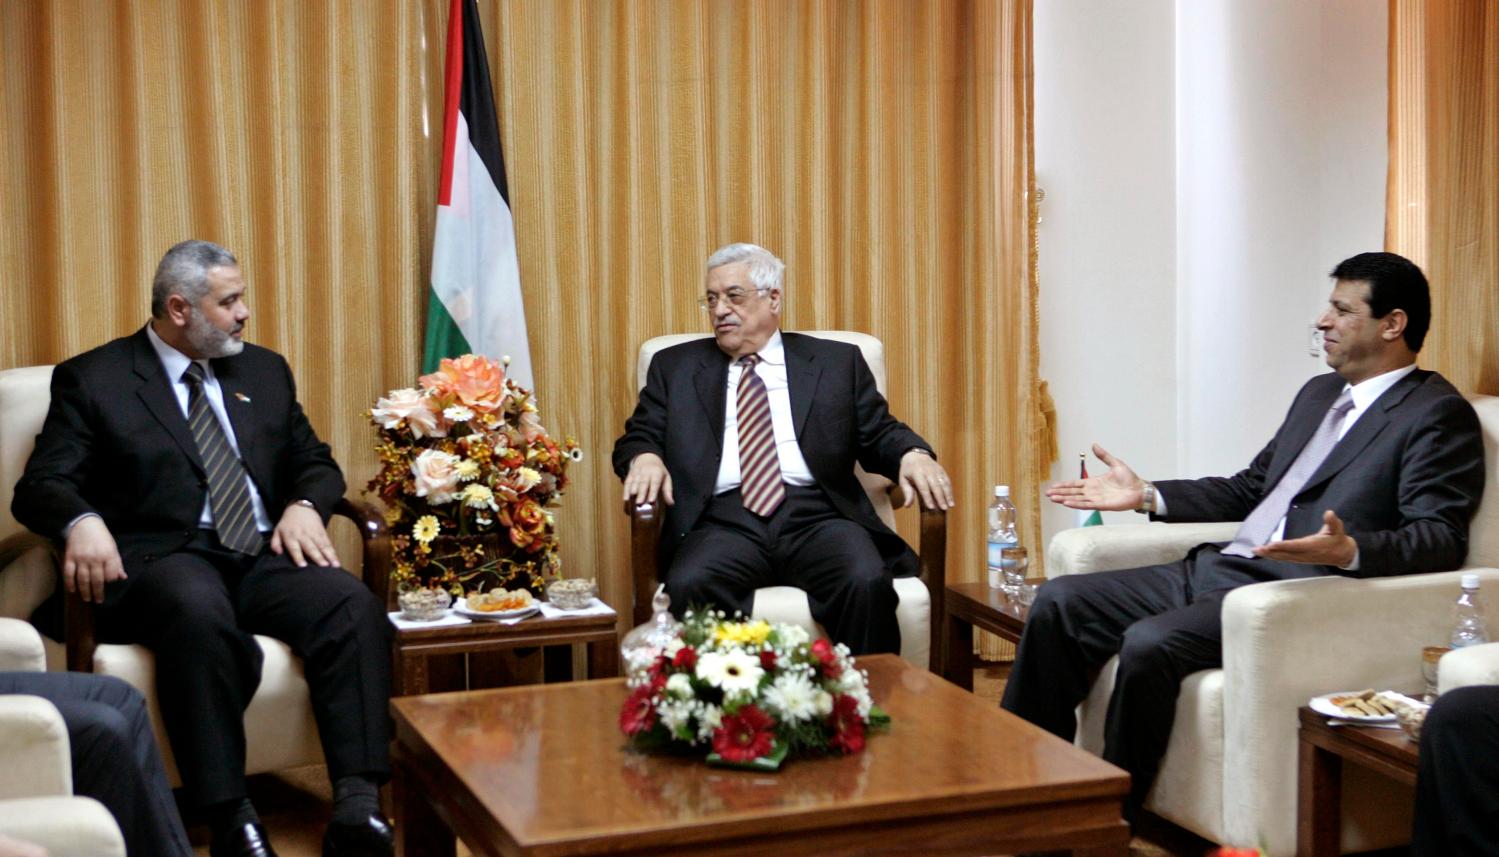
(1001,490)
(1470,581)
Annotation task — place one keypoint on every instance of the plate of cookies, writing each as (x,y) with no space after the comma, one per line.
(497,604)
(1362,706)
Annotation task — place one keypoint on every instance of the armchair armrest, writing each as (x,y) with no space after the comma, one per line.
(1464,667)
(34,739)
(21,647)
(645,537)
(1287,641)
(1084,550)
(932,558)
(65,826)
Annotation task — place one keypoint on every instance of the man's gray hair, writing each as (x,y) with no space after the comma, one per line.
(765,270)
(184,271)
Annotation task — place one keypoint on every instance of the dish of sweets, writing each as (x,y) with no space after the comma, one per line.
(1364,706)
(497,604)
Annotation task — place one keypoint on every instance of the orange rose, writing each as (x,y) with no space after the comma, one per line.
(473,379)
(528,516)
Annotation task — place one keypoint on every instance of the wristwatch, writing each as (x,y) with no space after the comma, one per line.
(305,502)
(1147,499)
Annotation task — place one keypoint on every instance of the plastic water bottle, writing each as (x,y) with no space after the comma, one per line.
(1470,628)
(1002,533)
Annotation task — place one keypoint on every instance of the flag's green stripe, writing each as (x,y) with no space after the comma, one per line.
(443,339)
(1094,520)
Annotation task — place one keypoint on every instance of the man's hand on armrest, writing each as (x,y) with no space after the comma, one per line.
(1330,545)
(921,474)
(647,478)
(90,559)
(1117,489)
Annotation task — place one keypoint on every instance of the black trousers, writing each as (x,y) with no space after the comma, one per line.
(805,543)
(114,755)
(197,609)
(1457,783)
(1163,621)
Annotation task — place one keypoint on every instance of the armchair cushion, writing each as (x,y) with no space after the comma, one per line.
(20,647)
(34,739)
(65,826)
(1084,550)
(1464,667)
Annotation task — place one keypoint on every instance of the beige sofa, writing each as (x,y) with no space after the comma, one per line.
(1229,773)
(39,806)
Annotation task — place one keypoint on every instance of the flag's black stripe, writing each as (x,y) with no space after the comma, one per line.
(477,100)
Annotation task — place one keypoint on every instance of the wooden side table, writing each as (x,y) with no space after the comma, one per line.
(412,646)
(970,605)
(1322,749)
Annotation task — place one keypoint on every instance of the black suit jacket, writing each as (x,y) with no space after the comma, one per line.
(839,416)
(1405,479)
(115,442)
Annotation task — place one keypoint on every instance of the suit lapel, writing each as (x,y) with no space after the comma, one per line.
(802,373)
(711,379)
(1303,424)
(155,392)
(1370,423)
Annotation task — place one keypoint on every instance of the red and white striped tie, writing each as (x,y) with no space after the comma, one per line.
(759,469)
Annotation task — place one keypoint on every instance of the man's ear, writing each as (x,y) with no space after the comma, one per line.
(1392,326)
(178,310)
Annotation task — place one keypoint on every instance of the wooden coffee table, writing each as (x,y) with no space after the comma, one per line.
(543,770)
(1319,788)
(970,605)
(410,647)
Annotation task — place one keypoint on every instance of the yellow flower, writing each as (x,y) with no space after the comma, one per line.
(392,516)
(468,470)
(426,529)
(755,633)
(479,496)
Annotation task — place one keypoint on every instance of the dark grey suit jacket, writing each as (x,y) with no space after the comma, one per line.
(839,416)
(115,443)
(1405,479)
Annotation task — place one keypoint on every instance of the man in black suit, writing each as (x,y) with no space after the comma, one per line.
(193,497)
(750,438)
(1457,783)
(1376,470)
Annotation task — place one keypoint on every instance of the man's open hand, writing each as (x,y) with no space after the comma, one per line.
(1117,489)
(921,474)
(91,559)
(1330,545)
(647,478)
(300,534)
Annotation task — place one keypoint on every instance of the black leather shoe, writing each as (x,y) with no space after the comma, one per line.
(248,840)
(372,838)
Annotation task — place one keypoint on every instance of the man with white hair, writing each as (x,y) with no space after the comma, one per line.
(750,439)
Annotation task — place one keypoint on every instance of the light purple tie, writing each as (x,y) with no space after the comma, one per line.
(759,470)
(1261,523)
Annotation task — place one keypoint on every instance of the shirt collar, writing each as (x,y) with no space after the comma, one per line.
(174,362)
(1365,392)
(774,351)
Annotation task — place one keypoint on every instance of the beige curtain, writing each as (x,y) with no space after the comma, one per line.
(1443,209)
(881,148)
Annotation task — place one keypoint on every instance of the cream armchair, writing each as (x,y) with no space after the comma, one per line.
(1229,773)
(279,725)
(920,598)
(40,807)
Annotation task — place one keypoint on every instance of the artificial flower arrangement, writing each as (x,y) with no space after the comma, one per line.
(467,474)
(750,693)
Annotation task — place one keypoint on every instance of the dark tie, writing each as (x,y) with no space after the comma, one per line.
(228,495)
(1261,523)
(759,469)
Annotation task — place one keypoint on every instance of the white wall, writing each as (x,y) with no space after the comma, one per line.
(1206,162)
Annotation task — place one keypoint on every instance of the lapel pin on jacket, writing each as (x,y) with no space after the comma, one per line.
(242,397)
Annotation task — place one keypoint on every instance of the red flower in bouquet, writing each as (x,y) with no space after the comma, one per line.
(1236,852)
(685,659)
(767,660)
(826,658)
(639,711)
(745,736)
(848,726)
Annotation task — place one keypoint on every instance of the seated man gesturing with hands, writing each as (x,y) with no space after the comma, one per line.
(1376,470)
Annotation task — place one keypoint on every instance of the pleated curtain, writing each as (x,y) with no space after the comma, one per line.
(882,149)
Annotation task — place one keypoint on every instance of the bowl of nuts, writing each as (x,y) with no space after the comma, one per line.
(423,605)
(572,593)
(1410,718)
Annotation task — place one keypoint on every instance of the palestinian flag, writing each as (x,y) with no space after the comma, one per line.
(1086,517)
(476,299)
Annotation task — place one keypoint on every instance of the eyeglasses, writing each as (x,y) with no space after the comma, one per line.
(735,297)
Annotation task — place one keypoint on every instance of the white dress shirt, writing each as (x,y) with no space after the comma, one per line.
(772,370)
(175,364)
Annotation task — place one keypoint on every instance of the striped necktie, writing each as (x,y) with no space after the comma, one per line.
(228,495)
(1260,525)
(759,469)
